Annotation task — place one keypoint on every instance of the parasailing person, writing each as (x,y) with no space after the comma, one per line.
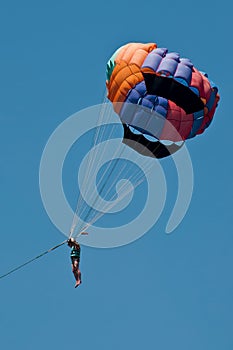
(75,259)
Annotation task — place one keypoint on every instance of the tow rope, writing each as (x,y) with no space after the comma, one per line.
(31,260)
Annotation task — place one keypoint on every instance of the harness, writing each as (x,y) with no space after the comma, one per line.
(75,253)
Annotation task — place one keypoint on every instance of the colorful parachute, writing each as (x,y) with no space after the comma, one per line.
(159,96)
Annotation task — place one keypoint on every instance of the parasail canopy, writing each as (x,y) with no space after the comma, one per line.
(157,93)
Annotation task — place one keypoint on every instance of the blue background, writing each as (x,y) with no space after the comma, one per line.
(163,291)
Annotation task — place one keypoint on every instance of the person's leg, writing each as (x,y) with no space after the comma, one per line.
(76,272)
(78,280)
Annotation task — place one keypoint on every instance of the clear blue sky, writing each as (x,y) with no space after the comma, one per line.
(162,291)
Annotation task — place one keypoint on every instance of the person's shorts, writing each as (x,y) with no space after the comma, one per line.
(75,258)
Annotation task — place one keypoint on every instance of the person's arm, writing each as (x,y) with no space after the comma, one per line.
(77,245)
